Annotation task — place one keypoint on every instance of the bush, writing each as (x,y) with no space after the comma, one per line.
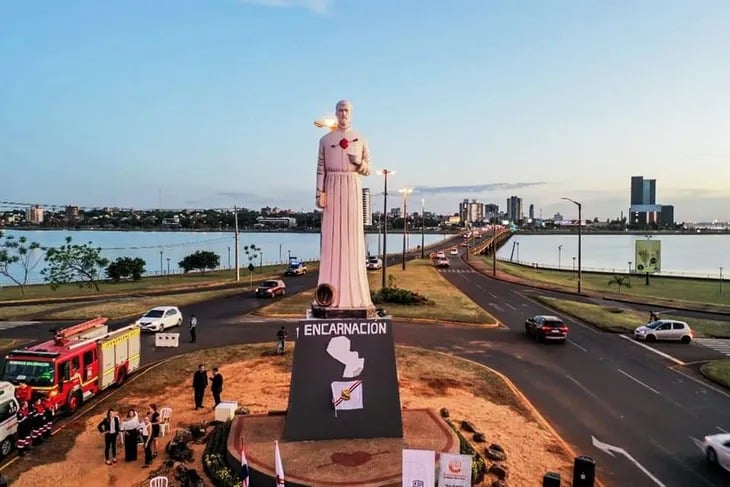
(214,458)
(399,296)
(125,267)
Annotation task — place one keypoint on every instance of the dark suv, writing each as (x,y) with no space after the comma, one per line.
(546,328)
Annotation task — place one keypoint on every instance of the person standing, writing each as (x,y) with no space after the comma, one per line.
(37,415)
(216,386)
(200,383)
(281,337)
(48,417)
(146,432)
(110,427)
(24,428)
(130,427)
(193,327)
(155,421)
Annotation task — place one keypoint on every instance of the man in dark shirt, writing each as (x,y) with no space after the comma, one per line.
(281,340)
(216,386)
(200,383)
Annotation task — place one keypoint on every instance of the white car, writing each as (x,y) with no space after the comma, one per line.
(440,254)
(664,330)
(160,319)
(454,251)
(717,450)
(373,263)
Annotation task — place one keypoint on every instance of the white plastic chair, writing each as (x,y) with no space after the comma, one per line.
(165,415)
(159,482)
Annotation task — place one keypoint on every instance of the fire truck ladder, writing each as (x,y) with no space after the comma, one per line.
(66,333)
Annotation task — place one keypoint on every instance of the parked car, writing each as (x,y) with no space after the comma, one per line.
(8,419)
(664,330)
(717,450)
(546,328)
(454,251)
(296,269)
(440,254)
(160,318)
(271,288)
(373,263)
(442,262)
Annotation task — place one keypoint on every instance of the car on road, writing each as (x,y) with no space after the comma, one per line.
(296,269)
(454,251)
(664,330)
(440,254)
(271,288)
(160,318)
(373,263)
(442,262)
(546,328)
(717,450)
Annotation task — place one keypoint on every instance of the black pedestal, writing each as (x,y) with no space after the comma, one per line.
(344,381)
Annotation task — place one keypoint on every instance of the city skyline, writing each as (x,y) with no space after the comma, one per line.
(211,104)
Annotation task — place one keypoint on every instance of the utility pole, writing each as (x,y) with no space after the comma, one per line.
(494,247)
(235,247)
(423,227)
(161,271)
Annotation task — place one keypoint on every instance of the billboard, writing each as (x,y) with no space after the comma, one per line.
(648,256)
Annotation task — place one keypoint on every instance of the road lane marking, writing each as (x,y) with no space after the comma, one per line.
(575,344)
(492,295)
(653,350)
(510,306)
(709,386)
(639,382)
(610,450)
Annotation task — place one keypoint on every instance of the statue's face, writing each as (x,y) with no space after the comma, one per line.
(344,113)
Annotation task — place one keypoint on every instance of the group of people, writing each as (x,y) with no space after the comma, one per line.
(35,423)
(200,384)
(131,431)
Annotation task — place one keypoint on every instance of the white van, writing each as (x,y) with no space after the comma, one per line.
(8,418)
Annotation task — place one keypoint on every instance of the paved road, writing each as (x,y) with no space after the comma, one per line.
(597,384)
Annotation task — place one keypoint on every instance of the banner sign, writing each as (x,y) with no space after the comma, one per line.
(454,470)
(648,256)
(419,468)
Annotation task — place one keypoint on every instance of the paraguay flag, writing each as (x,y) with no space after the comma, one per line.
(243,473)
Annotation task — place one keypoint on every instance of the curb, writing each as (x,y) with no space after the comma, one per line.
(516,391)
(498,324)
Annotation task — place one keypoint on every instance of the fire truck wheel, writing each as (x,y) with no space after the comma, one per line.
(74,401)
(121,377)
(6,446)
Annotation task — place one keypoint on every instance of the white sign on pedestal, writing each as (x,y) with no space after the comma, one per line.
(419,468)
(454,470)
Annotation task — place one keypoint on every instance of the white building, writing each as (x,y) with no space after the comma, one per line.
(34,214)
(367,207)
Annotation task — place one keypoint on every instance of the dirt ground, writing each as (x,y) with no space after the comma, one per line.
(531,449)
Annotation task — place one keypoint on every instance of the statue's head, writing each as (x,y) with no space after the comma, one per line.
(344,113)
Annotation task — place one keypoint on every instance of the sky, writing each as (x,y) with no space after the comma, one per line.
(210,103)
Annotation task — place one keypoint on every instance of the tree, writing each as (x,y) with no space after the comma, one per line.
(19,251)
(70,262)
(201,260)
(620,281)
(252,252)
(125,267)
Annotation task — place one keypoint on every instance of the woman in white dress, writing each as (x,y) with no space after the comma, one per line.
(130,430)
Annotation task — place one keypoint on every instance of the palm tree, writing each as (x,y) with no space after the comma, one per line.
(620,281)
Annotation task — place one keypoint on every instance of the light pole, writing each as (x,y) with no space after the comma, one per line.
(380,224)
(560,249)
(518,252)
(573,264)
(229,256)
(580,239)
(288,255)
(405,192)
(494,247)
(423,227)
(385,173)
(168,266)
(161,271)
(279,253)
(629,267)
(720,280)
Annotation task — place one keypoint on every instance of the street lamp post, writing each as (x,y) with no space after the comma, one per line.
(560,249)
(423,227)
(385,173)
(380,224)
(168,266)
(161,271)
(405,192)
(580,239)
(229,256)
(720,280)
(494,247)
(573,264)
(629,267)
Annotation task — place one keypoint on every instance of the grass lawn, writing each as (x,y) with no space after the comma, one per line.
(675,289)
(113,308)
(612,318)
(420,276)
(718,371)
(39,291)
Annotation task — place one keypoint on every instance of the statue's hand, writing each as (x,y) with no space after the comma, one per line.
(364,169)
(321,200)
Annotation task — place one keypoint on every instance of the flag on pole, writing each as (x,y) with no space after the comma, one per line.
(243,474)
(347,395)
(278,466)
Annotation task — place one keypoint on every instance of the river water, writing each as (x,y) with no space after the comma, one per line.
(163,249)
(681,255)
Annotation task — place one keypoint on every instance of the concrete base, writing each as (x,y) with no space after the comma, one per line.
(373,462)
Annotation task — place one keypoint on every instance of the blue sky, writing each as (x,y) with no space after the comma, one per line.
(192,103)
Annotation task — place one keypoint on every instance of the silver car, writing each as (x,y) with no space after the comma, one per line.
(717,450)
(672,330)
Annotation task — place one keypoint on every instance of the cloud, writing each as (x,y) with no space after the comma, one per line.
(318,6)
(472,189)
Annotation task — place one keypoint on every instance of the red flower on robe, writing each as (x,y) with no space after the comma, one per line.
(344,143)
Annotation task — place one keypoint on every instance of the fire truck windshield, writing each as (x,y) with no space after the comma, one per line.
(31,372)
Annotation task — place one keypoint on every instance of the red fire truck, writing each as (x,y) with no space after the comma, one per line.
(79,362)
